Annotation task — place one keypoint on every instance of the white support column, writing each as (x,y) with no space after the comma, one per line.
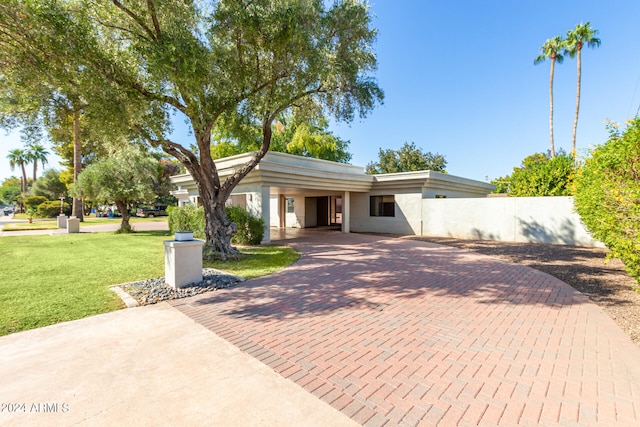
(282,210)
(346,212)
(265,208)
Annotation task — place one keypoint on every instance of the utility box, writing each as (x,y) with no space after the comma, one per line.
(182,262)
(62,221)
(73,225)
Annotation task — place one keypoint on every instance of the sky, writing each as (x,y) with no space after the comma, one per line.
(459,80)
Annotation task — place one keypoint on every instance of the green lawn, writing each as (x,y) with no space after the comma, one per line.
(51,279)
(52,224)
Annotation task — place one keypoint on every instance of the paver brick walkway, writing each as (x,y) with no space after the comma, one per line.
(398,332)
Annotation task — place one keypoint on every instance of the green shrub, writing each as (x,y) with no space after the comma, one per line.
(51,209)
(250,228)
(187,218)
(34,201)
(191,218)
(608,195)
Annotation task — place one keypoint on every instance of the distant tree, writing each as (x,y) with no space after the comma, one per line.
(162,185)
(407,159)
(49,185)
(582,35)
(552,49)
(19,157)
(125,177)
(608,195)
(10,190)
(307,137)
(539,175)
(37,153)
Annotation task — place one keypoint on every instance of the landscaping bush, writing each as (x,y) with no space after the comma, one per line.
(250,228)
(51,209)
(608,195)
(187,218)
(34,201)
(191,218)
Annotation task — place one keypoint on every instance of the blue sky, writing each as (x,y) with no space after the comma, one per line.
(459,80)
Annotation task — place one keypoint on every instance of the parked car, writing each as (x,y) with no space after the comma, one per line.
(152,212)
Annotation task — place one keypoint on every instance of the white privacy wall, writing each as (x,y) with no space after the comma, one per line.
(510,219)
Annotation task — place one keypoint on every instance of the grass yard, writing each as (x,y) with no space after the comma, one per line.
(257,261)
(52,224)
(51,279)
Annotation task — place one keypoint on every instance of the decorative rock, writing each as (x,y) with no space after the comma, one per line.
(152,291)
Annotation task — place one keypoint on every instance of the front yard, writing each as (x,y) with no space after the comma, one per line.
(51,279)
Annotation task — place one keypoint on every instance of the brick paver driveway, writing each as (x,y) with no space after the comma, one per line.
(406,333)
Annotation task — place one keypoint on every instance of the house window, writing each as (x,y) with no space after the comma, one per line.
(382,206)
(290,207)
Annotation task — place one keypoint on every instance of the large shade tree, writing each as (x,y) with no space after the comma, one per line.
(44,86)
(582,35)
(552,50)
(211,61)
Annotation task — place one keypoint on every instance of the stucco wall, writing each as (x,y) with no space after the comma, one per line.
(510,219)
(407,218)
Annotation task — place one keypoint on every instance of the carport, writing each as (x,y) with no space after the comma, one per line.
(289,191)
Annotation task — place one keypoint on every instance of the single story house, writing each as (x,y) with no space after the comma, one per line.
(294,191)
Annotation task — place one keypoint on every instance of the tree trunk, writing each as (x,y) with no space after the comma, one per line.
(25,187)
(218,230)
(125,227)
(575,120)
(77,164)
(553,148)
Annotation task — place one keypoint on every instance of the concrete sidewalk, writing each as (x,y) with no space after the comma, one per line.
(148,366)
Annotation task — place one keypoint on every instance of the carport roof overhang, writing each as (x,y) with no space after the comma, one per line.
(286,171)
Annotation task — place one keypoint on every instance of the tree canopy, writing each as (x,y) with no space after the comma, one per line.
(608,194)
(211,62)
(308,137)
(49,185)
(10,190)
(540,175)
(407,159)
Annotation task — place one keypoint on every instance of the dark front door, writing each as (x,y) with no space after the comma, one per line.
(323,211)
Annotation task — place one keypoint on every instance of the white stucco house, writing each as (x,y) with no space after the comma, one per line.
(293,191)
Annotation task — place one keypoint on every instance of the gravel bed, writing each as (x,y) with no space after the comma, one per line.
(151,291)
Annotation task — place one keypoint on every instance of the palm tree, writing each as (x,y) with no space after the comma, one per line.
(551,49)
(582,35)
(19,157)
(37,153)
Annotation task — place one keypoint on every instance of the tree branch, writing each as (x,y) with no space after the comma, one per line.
(154,16)
(135,17)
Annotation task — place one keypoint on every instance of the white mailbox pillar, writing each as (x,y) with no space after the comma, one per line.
(182,262)
(73,225)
